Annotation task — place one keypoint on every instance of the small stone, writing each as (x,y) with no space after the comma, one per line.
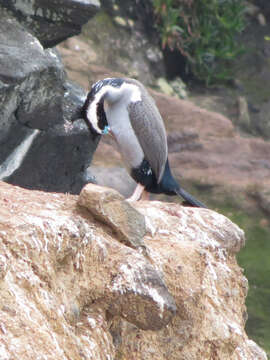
(120,21)
(93,197)
(165,87)
(108,206)
(179,88)
(130,23)
(153,54)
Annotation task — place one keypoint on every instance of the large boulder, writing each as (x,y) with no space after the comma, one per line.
(55,20)
(40,148)
(71,288)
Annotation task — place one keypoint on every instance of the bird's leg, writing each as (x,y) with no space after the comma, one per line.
(145,195)
(137,193)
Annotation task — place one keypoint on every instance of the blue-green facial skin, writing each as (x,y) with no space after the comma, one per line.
(106,130)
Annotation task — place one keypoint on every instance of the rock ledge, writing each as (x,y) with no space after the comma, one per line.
(71,289)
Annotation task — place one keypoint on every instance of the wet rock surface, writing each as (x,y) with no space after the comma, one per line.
(70,289)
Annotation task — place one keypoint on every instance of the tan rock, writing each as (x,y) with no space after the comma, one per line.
(110,207)
(165,87)
(70,290)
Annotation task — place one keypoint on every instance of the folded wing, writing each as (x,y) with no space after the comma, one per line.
(150,131)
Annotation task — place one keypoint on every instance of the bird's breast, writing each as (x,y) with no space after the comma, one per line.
(125,137)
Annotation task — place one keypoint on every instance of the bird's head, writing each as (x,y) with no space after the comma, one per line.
(93,109)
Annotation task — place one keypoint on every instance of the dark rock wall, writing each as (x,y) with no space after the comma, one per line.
(40,147)
(55,20)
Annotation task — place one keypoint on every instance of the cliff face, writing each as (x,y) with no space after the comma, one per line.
(97,278)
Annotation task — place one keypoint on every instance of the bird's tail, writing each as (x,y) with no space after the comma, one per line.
(189,199)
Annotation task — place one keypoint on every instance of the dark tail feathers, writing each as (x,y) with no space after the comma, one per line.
(189,199)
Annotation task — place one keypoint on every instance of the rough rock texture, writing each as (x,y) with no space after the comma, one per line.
(55,20)
(40,148)
(70,290)
(27,67)
(107,205)
(123,41)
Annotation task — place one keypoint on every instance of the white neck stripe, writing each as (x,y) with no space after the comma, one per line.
(114,93)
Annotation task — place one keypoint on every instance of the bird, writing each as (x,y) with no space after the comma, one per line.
(123,108)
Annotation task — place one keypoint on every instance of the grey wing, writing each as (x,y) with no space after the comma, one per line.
(150,131)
